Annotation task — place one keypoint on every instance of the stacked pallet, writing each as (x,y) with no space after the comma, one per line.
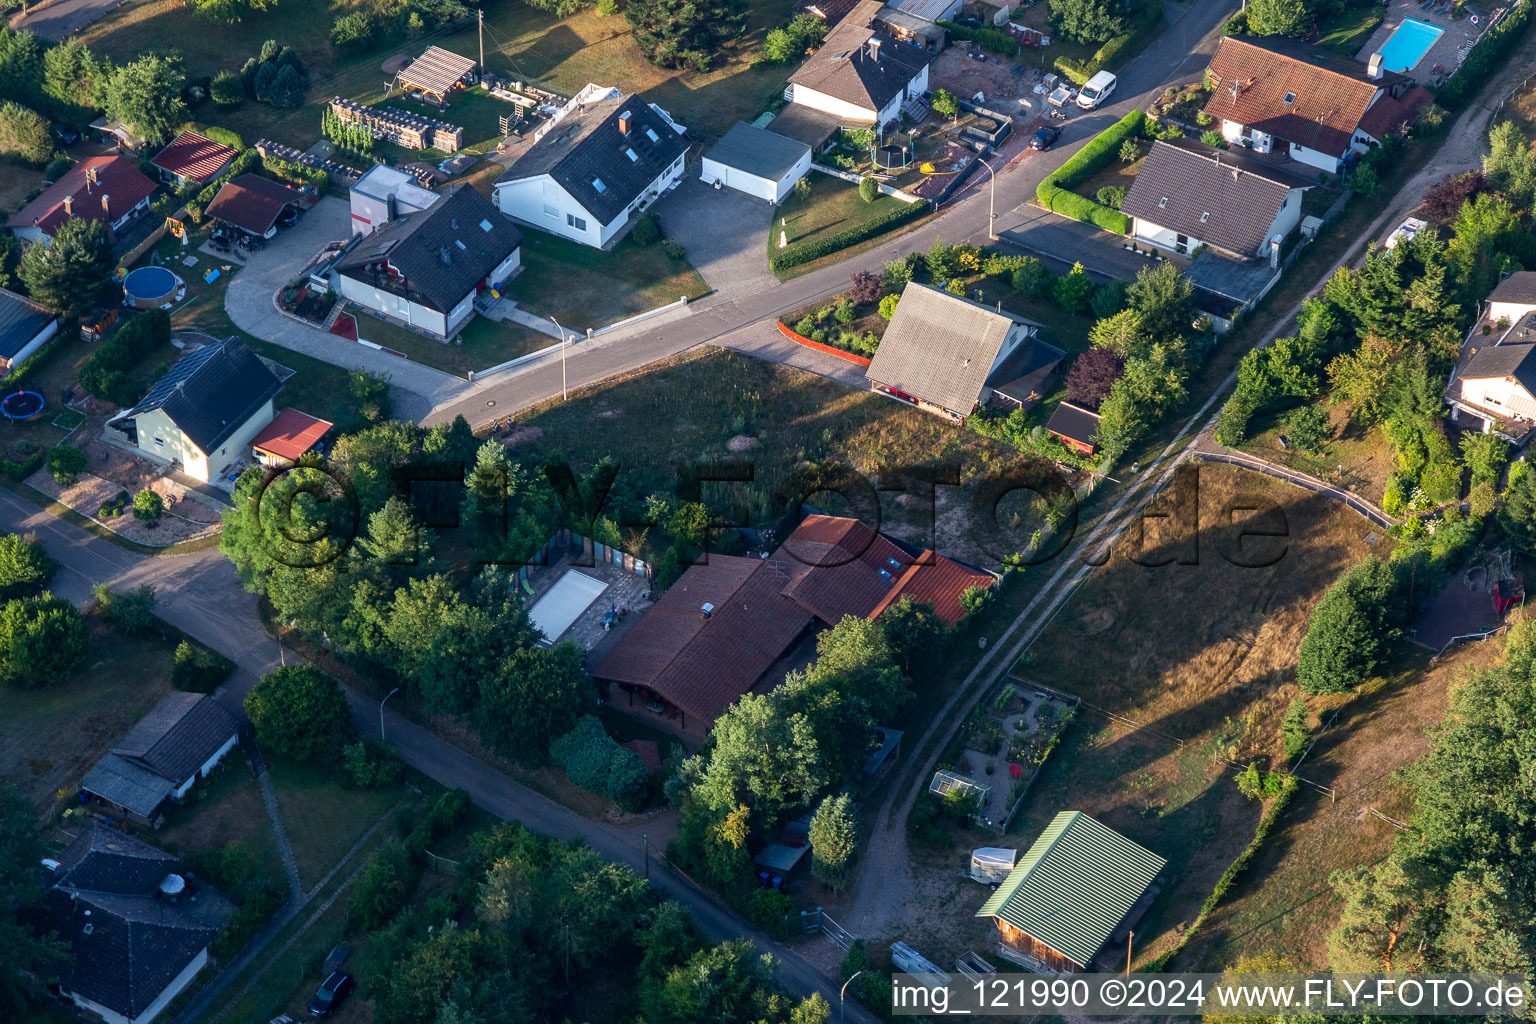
(339,174)
(401,127)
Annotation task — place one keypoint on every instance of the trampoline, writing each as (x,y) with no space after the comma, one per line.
(150,287)
(893,157)
(19,406)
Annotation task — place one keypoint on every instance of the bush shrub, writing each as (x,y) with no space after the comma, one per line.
(226,90)
(65,463)
(869,189)
(1099,152)
(825,245)
(647,230)
(369,765)
(133,612)
(197,668)
(595,762)
(1111,196)
(1484,58)
(105,373)
(888,306)
(42,640)
(148,505)
(25,567)
(988,38)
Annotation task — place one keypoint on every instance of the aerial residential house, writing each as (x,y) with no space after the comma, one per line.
(426,269)
(1512,298)
(1285,98)
(385,194)
(253,204)
(911,28)
(135,924)
(289,436)
(1075,426)
(109,189)
(24,328)
(437,74)
(1188,195)
(947,355)
(1493,387)
(178,741)
(599,160)
(1077,892)
(735,625)
(927,10)
(204,413)
(192,158)
(756,161)
(861,74)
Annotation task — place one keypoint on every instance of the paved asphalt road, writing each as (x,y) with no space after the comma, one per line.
(63,18)
(201,594)
(1192,32)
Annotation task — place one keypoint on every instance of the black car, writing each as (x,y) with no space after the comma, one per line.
(65,134)
(331,994)
(1044,138)
(288,217)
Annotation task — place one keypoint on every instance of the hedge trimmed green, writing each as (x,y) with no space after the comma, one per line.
(1487,55)
(826,245)
(994,39)
(1079,71)
(1103,149)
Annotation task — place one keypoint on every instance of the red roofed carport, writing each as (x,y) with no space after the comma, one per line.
(290,434)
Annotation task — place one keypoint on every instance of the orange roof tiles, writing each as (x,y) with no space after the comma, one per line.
(291,433)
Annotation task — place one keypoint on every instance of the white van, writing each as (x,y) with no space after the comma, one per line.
(1097,90)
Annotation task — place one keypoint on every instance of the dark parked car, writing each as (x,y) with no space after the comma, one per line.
(288,217)
(1044,138)
(65,134)
(331,994)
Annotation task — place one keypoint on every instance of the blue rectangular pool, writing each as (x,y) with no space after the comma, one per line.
(1407,46)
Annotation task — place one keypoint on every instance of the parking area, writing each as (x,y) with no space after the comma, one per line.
(724,232)
(1058,241)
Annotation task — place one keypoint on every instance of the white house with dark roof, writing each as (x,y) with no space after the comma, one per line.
(860,74)
(178,741)
(598,161)
(1188,194)
(136,926)
(946,354)
(1494,385)
(25,327)
(426,269)
(1512,298)
(205,411)
(756,161)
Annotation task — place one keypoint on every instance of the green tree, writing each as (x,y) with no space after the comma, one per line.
(25,566)
(915,637)
(1087,21)
(1309,430)
(146,95)
(42,640)
(834,837)
(1350,628)
(229,10)
(728,982)
(73,77)
(1073,291)
(684,33)
(561,8)
(133,612)
(21,66)
(1121,333)
(764,756)
(1149,387)
(73,274)
(1489,238)
(301,712)
(28,962)
(1279,18)
(1165,300)
(531,697)
(24,134)
(225,89)
(1386,922)
(1510,166)
(394,537)
(945,104)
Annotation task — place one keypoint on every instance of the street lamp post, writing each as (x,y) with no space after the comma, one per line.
(842,1008)
(563,395)
(992,202)
(388,695)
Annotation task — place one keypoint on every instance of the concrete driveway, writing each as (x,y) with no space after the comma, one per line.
(248,301)
(725,233)
(1059,242)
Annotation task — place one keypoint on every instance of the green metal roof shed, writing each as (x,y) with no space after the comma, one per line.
(1074,886)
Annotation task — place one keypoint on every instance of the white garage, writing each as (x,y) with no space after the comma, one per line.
(756,161)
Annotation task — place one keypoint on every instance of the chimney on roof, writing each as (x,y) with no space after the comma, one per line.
(1374,68)
(442,254)
(106,207)
(707,609)
(625,120)
(92,176)
(874,50)
(69,206)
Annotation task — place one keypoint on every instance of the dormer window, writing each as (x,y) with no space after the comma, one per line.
(597,183)
(1162,203)
(1290,98)
(1205,216)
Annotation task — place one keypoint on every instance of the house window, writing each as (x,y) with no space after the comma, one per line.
(159,442)
(1246,133)
(571,220)
(631,154)
(1290,97)
(652,135)
(597,183)
(1181,243)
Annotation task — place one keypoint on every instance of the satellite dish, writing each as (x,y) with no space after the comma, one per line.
(173,885)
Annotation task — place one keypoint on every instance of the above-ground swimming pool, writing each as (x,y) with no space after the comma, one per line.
(1408,44)
(150,287)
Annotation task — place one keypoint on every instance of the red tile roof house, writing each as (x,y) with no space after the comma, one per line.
(251,203)
(191,157)
(1282,97)
(110,189)
(736,625)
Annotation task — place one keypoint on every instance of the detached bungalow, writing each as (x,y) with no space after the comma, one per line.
(426,269)
(1188,194)
(24,328)
(948,355)
(204,413)
(177,742)
(253,204)
(602,158)
(110,189)
(1283,97)
(191,157)
(1080,887)
(861,74)
(136,925)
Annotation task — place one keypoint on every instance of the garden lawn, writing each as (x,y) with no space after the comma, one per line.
(482,344)
(1346,31)
(50,736)
(1116,173)
(832,206)
(324,816)
(226,808)
(520,43)
(1204,656)
(583,287)
(1358,458)
(1521,109)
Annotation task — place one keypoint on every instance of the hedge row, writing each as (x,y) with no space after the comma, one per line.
(1487,55)
(994,39)
(1229,877)
(826,245)
(1103,149)
(1079,71)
